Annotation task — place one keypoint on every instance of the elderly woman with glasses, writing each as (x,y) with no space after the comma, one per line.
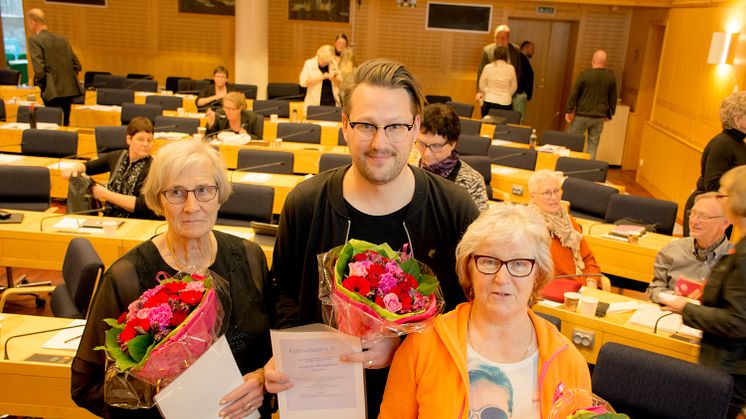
(570,252)
(439,132)
(187,184)
(491,356)
(233,116)
(722,315)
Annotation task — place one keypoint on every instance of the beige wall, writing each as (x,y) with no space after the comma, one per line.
(688,95)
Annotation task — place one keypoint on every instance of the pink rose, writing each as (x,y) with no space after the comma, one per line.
(359,268)
(392,303)
(195,286)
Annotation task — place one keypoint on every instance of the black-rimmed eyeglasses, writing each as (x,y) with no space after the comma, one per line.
(489,265)
(395,133)
(201,193)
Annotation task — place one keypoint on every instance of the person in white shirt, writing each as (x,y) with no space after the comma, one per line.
(318,75)
(497,83)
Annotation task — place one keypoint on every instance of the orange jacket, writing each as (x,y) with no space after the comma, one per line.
(564,263)
(429,378)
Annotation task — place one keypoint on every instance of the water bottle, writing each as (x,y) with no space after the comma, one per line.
(533,140)
(32,115)
(294,116)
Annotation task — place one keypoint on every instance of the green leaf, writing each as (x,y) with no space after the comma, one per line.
(122,360)
(138,346)
(412,267)
(113,323)
(428,284)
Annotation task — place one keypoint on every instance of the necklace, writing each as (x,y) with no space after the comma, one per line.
(529,345)
(185,266)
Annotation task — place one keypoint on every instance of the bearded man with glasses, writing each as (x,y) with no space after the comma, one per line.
(692,258)
(378,198)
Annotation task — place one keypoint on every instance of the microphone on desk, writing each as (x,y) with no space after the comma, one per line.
(5,354)
(91,211)
(580,172)
(262,111)
(299,96)
(297,133)
(258,166)
(325,113)
(520,153)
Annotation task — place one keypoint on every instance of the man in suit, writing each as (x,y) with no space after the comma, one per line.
(592,101)
(526,82)
(55,65)
(502,39)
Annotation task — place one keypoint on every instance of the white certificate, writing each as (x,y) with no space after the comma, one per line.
(323,386)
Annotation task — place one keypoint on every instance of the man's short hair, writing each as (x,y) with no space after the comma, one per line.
(502,28)
(220,69)
(382,72)
(706,195)
(524,44)
(36,15)
(441,119)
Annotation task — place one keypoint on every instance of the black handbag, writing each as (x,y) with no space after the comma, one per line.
(80,195)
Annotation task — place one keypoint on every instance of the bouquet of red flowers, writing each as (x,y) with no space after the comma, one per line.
(371,290)
(576,403)
(161,334)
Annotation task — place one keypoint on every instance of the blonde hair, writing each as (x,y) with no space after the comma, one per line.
(731,107)
(173,160)
(237,99)
(507,225)
(346,62)
(734,184)
(326,53)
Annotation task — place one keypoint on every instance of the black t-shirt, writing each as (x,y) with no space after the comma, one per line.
(327,94)
(379,229)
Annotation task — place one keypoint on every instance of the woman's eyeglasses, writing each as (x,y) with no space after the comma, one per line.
(435,148)
(201,194)
(518,268)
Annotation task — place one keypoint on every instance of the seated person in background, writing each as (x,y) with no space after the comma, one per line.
(233,116)
(319,76)
(128,170)
(570,251)
(491,357)
(692,257)
(212,95)
(439,134)
(497,83)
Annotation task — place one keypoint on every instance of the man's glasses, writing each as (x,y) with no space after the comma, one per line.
(435,148)
(703,217)
(201,194)
(395,133)
(489,265)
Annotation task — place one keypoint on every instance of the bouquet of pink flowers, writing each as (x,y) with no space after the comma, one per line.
(576,403)
(164,331)
(371,290)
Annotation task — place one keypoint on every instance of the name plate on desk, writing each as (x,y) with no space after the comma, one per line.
(51,359)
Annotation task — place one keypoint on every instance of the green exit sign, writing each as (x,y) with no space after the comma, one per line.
(546,10)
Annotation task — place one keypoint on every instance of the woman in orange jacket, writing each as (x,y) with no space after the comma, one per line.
(492,356)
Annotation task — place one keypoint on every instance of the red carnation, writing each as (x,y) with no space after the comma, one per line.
(127,334)
(122,318)
(376,270)
(198,277)
(357,284)
(406,301)
(379,301)
(178,318)
(190,297)
(174,287)
(140,325)
(156,299)
(408,282)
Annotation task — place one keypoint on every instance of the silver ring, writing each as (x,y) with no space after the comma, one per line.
(370,363)
(248,406)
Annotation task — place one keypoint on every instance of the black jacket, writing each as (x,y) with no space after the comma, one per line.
(724,152)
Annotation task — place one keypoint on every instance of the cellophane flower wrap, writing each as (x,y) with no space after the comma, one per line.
(372,291)
(161,334)
(575,403)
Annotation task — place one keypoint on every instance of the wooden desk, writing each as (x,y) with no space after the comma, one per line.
(58,183)
(633,261)
(10,140)
(90,117)
(36,389)
(20,92)
(613,328)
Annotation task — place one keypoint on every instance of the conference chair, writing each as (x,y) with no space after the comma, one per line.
(247,203)
(2,111)
(81,270)
(43,114)
(461,109)
(107,96)
(200,85)
(587,199)
(574,142)
(299,132)
(108,81)
(248,90)
(658,212)
(430,99)
(269,107)
(285,91)
(556,321)
(593,170)
(505,116)
(259,124)
(186,86)
(170,103)
(644,384)
(249,158)
(141,85)
(324,113)
(90,77)
(10,77)
(483,165)
(472,145)
(176,124)
(49,143)
(341,138)
(329,161)
(172,83)
(110,138)
(512,133)
(131,110)
(513,157)
(24,187)
(470,126)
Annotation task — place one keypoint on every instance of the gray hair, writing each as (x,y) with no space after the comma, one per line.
(731,107)
(733,183)
(382,72)
(173,160)
(508,226)
(544,175)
